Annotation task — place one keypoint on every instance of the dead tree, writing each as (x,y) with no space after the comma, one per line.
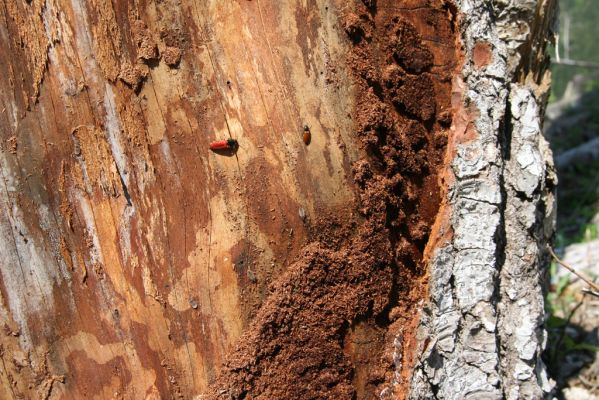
(378,231)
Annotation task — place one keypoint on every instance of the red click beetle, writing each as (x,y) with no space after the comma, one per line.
(227,144)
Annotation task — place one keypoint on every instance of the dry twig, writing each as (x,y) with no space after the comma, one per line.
(590,291)
(586,280)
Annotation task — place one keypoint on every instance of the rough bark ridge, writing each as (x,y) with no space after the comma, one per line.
(482,335)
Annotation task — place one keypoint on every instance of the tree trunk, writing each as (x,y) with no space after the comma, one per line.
(482,334)
(379,230)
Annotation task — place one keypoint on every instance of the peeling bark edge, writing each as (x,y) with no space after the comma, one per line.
(482,334)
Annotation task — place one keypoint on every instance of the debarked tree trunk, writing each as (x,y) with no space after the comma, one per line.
(375,227)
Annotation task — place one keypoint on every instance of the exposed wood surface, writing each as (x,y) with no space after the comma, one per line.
(132,256)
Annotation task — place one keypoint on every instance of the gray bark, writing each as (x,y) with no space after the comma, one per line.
(482,333)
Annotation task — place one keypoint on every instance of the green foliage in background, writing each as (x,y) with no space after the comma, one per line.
(578,190)
(584,40)
(578,193)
